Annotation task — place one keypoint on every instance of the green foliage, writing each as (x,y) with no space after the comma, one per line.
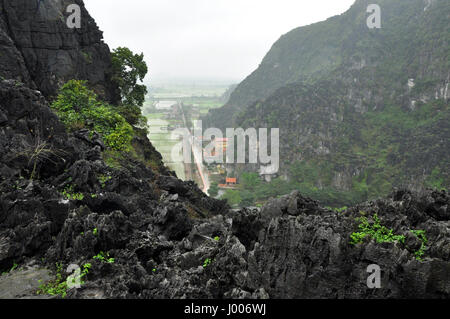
(86,268)
(128,69)
(74,97)
(380,233)
(436,180)
(69,193)
(207,262)
(421,234)
(78,107)
(56,287)
(341,209)
(133,115)
(213,191)
(250,181)
(389,145)
(59,286)
(116,131)
(304,175)
(247,199)
(13,267)
(232,196)
(113,159)
(337,209)
(103,179)
(104,258)
(356,238)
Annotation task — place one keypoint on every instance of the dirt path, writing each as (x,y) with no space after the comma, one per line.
(22,283)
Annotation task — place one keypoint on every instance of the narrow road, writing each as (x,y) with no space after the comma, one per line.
(197,151)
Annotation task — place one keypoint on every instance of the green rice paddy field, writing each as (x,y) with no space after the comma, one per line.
(202,98)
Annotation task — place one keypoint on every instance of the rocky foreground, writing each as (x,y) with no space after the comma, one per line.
(169,240)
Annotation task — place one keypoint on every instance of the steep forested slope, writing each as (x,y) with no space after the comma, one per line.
(412,43)
(371,109)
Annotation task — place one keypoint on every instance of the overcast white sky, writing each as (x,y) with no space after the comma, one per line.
(205,39)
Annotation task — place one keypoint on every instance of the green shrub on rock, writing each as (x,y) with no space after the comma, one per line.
(78,107)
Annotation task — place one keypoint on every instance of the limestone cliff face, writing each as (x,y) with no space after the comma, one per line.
(40,50)
(359,110)
(412,44)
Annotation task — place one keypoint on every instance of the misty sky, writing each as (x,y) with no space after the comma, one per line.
(205,39)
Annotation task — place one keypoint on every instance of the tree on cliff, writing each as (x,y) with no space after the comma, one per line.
(128,70)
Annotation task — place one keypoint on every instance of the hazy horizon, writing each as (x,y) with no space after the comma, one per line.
(202,40)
